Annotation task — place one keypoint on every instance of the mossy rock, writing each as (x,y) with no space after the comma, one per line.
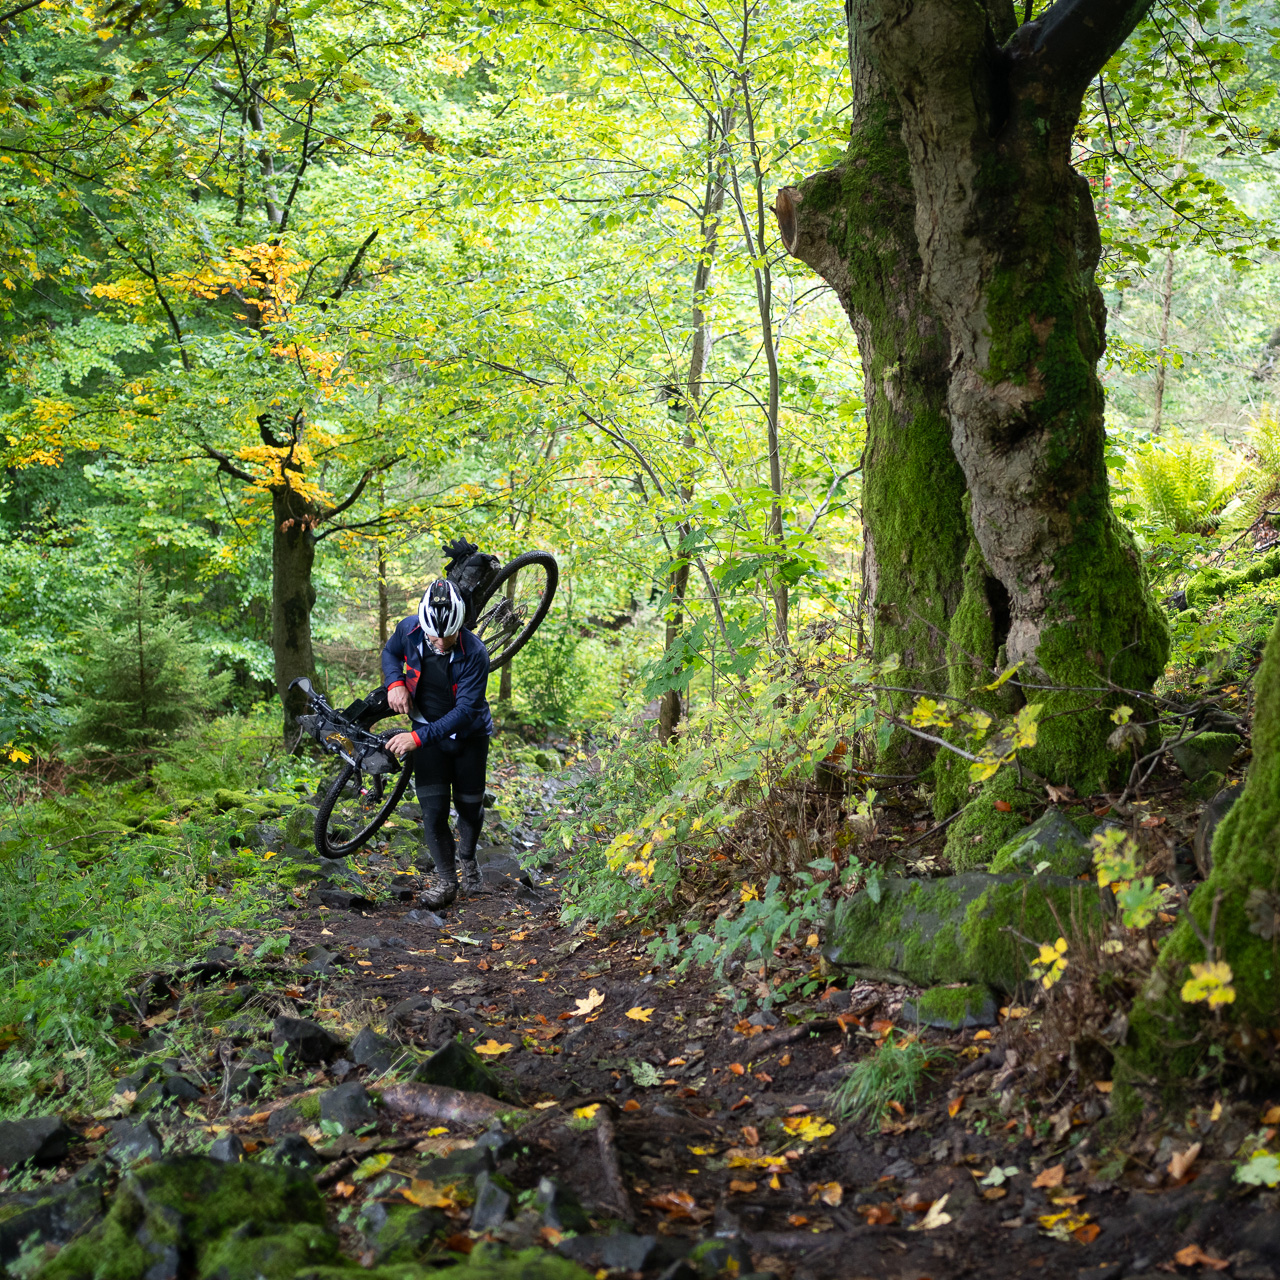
(1212,584)
(199,1209)
(975,837)
(1206,787)
(1205,753)
(224,801)
(1051,838)
(455,1066)
(299,824)
(959,928)
(952,1008)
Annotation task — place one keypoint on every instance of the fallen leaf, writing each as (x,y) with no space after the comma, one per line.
(679,1204)
(741,1188)
(365,964)
(483,966)
(934,1218)
(811,941)
(1051,1177)
(1104,1086)
(797,1220)
(995,1193)
(1271,1116)
(785,1060)
(586,1113)
(495,946)
(460,1243)
(371,1166)
(743,1101)
(165,1015)
(631,1105)
(745,1028)
(1088,1233)
(881,1025)
(1183,1160)
(982,1035)
(639,1015)
(751,1135)
(589,1004)
(953,1107)
(895,1105)
(1061,1225)
(426,1195)
(831,1193)
(1003,806)
(737,1068)
(546,1106)
(344,1189)
(1216,1113)
(809,1128)
(1058,795)
(326,933)
(1194,1256)
(492,1049)
(877,1215)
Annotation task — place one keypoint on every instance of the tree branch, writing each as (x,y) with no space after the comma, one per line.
(225,464)
(350,273)
(1075,39)
(21,9)
(355,493)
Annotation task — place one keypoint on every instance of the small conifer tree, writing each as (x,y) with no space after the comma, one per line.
(144,676)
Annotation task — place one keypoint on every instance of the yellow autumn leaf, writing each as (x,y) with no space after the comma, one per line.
(372,1166)
(426,1195)
(1210,981)
(808,1128)
(437,1131)
(639,1015)
(592,1001)
(749,893)
(587,1112)
(492,1049)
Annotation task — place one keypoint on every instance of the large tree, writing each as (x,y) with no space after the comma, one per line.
(1008,244)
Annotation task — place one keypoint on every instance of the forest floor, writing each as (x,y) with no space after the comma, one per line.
(644,1116)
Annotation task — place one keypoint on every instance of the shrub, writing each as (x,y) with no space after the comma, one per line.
(145,678)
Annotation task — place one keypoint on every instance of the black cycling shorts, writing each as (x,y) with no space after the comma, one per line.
(436,769)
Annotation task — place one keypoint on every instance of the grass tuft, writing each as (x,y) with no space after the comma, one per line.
(892,1073)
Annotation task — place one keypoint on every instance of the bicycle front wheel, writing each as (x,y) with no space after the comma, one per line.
(515,605)
(355,807)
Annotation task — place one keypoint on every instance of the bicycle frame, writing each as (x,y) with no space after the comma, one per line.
(362,750)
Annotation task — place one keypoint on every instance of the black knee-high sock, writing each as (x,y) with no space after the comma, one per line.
(470,820)
(435,831)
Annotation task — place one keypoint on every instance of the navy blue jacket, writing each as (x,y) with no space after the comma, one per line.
(469,667)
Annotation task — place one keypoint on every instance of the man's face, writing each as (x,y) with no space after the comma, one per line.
(442,644)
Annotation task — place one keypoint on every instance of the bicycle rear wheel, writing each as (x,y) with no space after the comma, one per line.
(350,815)
(515,605)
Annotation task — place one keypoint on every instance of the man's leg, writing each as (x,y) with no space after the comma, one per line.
(468,798)
(432,774)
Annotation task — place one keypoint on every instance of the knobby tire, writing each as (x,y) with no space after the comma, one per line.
(334,849)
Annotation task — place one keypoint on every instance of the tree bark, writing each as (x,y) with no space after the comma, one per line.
(855,226)
(1008,245)
(293,550)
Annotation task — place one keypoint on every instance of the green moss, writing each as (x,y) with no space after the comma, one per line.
(1167,1035)
(1211,584)
(961,928)
(974,837)
(1207,787)
(191,1204)
(953,1007)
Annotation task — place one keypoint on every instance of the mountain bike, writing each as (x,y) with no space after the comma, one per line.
(370,783)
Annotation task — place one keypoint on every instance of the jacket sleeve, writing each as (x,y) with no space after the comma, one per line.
(393,660)
(468,707)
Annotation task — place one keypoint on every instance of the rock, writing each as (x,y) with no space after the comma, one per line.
(318,961)
(497,869)
(620,1252)
(370,944)
(293,1149)
(227,1150)
(405,1009)
(349,1105)
(955,929)
(396,942)
(134,1142)
(344,900)
(1051,838)
(340,1069)
(457,1067)
(1205,753)
(401,1232)
(369,1049)
(1214,812)
(181,1089)
(952,1008)
(52,1215)
(419,915)
(40,1140)
(492,1207)
(305,1040)
(299,825)
(192,1216)
(284,1120)
(262,835)
(559,1208)
(1206,787)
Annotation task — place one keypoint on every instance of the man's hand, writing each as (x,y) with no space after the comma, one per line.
(399,700)
(401,745)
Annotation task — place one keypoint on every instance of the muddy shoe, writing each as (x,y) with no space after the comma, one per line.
(438,891)
(472,881)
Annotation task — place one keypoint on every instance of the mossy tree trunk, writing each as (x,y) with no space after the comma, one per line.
(1008,246)
(1167,1037)
(855,226)
(293,552)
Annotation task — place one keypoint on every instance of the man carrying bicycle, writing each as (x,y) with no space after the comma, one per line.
(437,673)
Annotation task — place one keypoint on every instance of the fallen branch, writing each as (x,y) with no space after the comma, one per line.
(789,1035)
(435,1102)
(614,1188)
(326,1177)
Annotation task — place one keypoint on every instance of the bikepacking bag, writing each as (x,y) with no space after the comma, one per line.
(472,578)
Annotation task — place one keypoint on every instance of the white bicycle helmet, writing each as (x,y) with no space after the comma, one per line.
(442,609)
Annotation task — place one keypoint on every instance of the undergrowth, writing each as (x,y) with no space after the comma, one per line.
(892,1073)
